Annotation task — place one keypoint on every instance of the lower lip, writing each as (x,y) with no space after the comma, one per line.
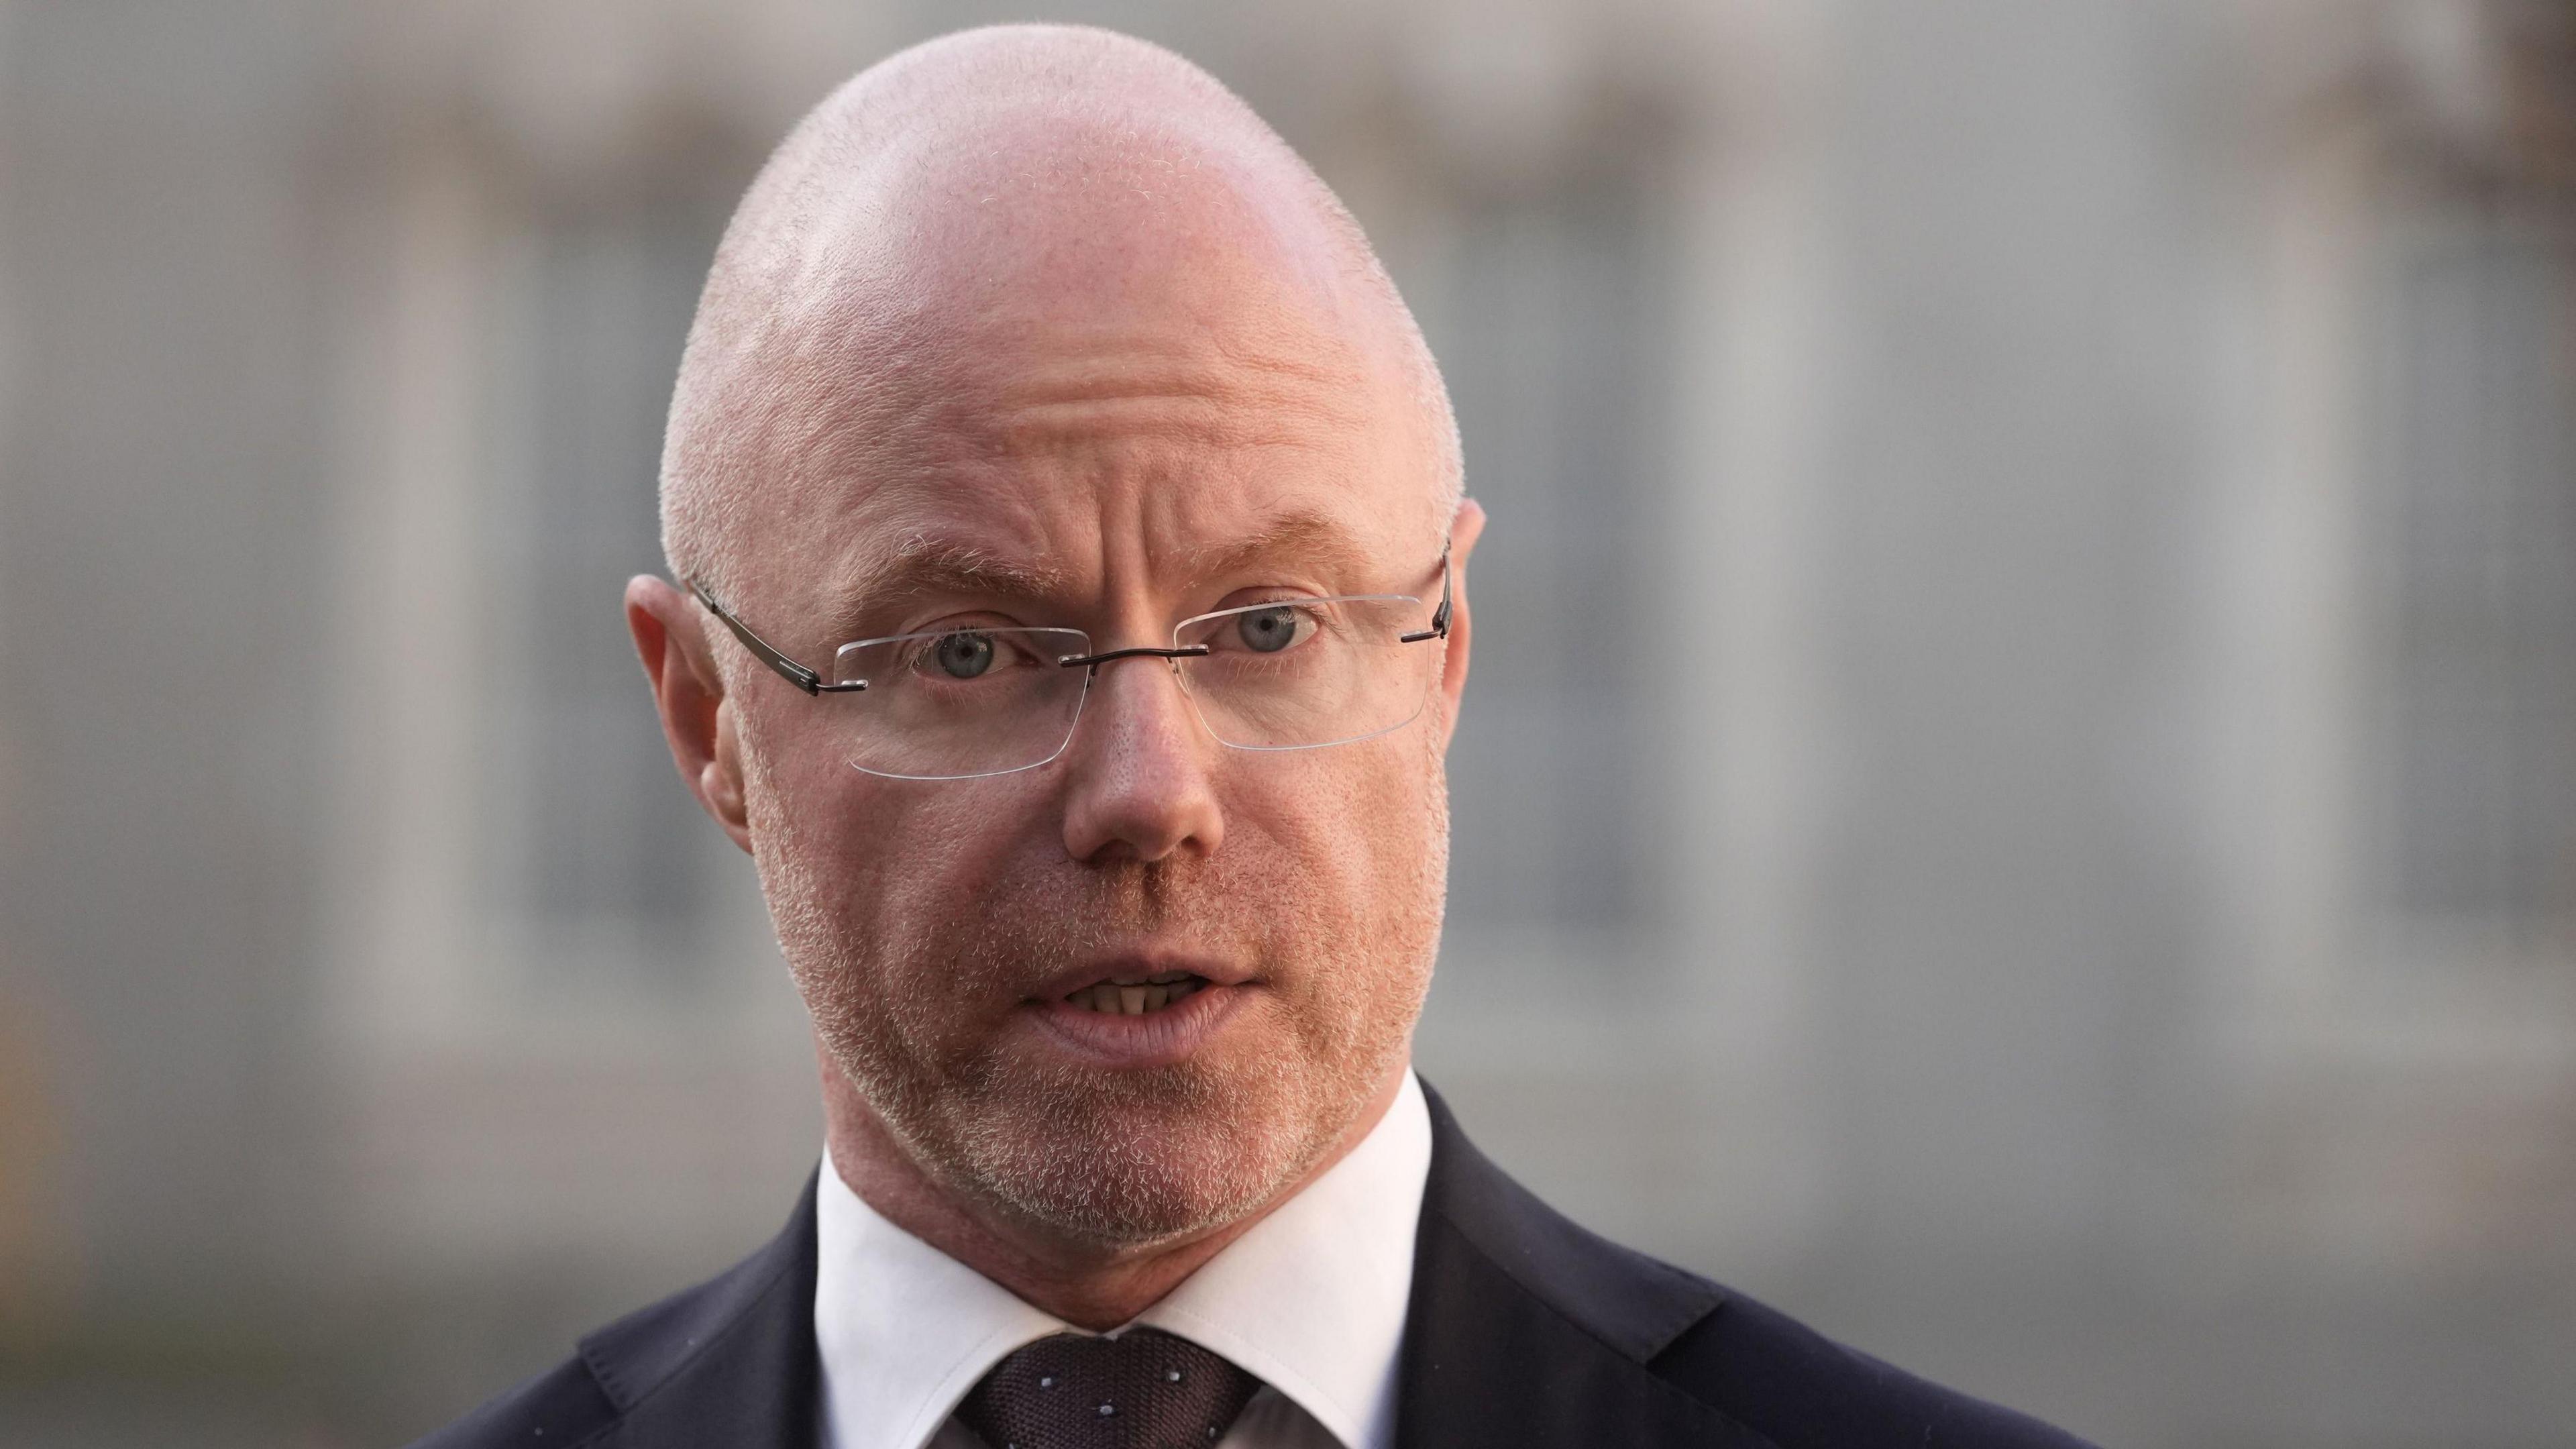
(1151,1039)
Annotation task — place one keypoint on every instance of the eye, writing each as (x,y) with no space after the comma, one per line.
(963,655)
(1267,631)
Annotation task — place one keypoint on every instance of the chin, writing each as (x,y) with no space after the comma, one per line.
(1140,1158)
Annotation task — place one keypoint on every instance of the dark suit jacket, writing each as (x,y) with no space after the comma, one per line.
(1524,1330)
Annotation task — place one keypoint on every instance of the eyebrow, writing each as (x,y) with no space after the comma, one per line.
(1315,539)
(920,566)
(923,566)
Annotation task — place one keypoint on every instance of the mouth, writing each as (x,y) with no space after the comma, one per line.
(1127,1013)
(1136,995)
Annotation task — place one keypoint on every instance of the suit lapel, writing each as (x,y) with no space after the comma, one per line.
(1526,1330)
(732,1363)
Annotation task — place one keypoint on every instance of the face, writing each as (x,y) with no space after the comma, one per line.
(1145,438)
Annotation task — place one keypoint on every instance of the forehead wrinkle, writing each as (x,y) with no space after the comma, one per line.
(1136,368)
(1255,400)
(1072,427)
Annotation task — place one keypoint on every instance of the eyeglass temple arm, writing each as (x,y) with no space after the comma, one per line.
(788,669)
(1439,617)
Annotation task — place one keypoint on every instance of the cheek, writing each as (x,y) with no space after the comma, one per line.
(1360,827)
(876,858)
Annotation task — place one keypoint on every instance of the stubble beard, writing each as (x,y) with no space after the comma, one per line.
(1131,1157)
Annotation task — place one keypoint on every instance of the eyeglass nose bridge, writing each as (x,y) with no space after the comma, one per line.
(1090,665)
(1093,662)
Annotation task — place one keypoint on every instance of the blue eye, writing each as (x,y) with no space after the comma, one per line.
(963,655)
(1267,631)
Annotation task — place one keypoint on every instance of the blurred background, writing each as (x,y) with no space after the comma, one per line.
(2075,894)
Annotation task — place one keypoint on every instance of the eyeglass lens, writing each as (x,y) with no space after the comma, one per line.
(1279,676)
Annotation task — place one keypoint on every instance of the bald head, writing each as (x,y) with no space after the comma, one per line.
(888,273)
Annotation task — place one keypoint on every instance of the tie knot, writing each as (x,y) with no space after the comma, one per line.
(1144,1389)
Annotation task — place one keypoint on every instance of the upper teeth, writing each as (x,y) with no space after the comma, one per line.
(1135,995)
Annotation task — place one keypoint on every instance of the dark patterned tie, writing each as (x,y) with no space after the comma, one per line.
(1144,1389)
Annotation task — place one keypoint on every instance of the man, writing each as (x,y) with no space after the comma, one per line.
(1070,619)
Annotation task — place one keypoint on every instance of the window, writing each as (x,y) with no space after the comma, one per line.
(2467,567)
(1540,308)
(600,870)
(2470,574)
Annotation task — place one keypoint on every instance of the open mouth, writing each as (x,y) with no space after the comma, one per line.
(1136,995)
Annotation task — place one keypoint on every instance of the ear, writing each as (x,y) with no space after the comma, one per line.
(697,719)
(1464,530)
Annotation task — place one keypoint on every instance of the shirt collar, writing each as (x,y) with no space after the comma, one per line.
(1311,1299)
(902,1329)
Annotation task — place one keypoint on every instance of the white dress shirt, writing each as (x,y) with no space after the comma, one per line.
(1311,1300)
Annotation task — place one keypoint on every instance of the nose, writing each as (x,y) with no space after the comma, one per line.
(1138,780)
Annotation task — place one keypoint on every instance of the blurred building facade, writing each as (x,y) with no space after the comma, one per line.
(2018,797)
